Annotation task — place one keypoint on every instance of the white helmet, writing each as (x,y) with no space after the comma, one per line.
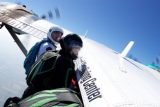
(53,29)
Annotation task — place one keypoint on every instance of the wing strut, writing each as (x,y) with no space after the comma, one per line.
(19,43)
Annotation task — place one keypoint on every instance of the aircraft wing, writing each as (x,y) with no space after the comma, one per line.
(21,19)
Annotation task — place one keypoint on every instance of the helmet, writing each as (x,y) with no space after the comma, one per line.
(71,41)
(54,29)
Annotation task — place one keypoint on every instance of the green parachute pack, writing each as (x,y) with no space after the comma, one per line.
(61,97)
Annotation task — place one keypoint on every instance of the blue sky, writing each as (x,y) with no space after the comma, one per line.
(111,22)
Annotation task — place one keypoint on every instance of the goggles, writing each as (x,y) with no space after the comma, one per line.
(75,44)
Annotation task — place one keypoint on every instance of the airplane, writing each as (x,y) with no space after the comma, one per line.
(106,78)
